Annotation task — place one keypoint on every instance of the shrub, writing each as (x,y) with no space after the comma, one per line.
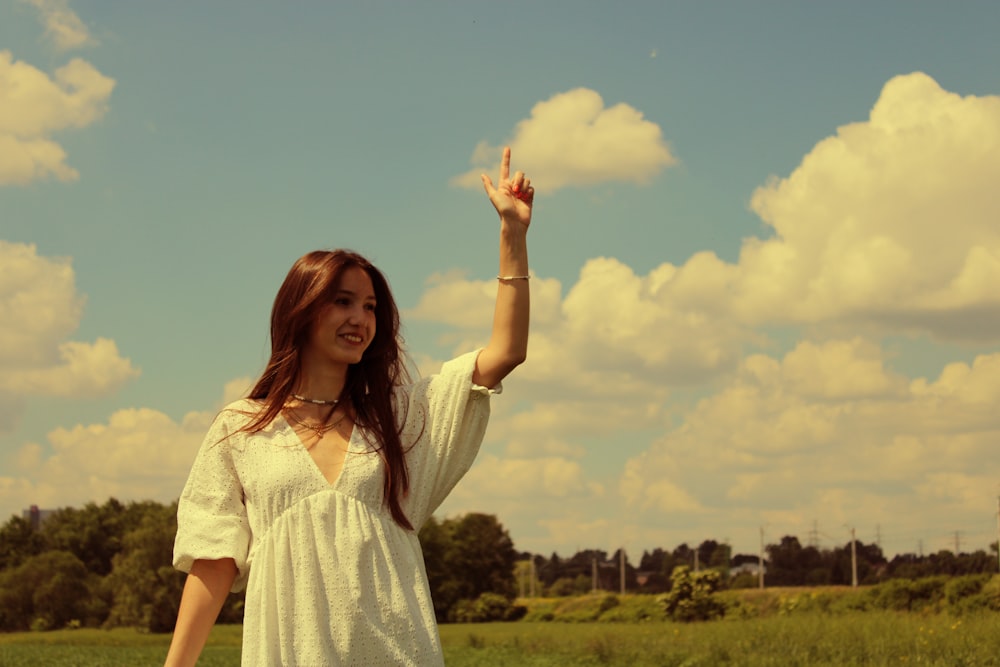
(692,595)
(634,609)
(960,588)
(41,624)
(540,615)
(969,594)
(566,586)
(484,609)
(539,610)
(991,592)
(515,612)
(579,609)
(909,595)
(607,602)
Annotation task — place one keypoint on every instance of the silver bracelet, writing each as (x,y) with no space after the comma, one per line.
(513,277)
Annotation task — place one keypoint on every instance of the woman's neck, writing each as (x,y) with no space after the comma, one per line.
(321,382)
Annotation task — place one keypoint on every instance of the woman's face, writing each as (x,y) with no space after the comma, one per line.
(345,327)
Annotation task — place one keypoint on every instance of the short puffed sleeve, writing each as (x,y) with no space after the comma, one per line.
(212,518)
(445,421)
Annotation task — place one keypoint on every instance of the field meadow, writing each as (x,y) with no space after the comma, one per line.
(790,634)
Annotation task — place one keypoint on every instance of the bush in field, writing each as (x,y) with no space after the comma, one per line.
(567,586)
(910,595)
(973,593)
(486,608)
(991,593)
(852,601)
(608,602)
(633,609)
(579,609)
(692,595)
(540,611)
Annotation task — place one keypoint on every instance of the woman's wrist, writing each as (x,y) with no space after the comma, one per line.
(513,227)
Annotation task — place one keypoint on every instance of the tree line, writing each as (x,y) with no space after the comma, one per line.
(110,565)
(786,563)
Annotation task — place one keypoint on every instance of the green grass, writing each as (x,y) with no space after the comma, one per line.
(813,639)
(806,640)
(121,647)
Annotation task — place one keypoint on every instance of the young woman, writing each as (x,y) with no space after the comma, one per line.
(310,492)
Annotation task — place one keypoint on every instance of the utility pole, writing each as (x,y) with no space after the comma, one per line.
(593,574)
(854,560)
(622,559)
(957,544)
(998,531)
(760,561)
(531,583)
(695,560)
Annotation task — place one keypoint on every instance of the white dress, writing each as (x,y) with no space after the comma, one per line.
(331,579)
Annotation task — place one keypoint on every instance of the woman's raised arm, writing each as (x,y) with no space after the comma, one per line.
(513,198)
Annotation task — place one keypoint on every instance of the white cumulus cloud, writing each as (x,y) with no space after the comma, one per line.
(62,25)
(39,310)
(574,139)
(33,106)
(139,453)
(892,221)
(770,444)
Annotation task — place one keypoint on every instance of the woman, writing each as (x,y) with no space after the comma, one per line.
(321,478)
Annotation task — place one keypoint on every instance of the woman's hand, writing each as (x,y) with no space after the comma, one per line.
(512,197)
(508,345)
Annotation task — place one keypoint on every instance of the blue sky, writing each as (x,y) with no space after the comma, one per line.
(163,164)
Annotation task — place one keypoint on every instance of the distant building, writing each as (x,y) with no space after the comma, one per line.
(35,516)
(747,568)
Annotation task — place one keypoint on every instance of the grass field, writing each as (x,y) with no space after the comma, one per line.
(812,639)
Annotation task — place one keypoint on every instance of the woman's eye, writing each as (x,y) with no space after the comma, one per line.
(370,307)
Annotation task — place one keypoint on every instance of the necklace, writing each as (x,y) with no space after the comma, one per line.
(315,401)
(320,430)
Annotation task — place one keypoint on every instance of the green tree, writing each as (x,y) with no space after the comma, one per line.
(466,557)
(144,586)
(47,591)
(482,556)
(435,542)
(94,533)
(785,562)
(18,542)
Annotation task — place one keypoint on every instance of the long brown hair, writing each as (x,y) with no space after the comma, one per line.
(311,284)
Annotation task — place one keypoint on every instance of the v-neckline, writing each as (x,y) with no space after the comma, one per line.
(312,462)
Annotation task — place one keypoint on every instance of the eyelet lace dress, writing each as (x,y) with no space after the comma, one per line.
(331,579)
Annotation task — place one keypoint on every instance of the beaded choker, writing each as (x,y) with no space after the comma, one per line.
(315,401)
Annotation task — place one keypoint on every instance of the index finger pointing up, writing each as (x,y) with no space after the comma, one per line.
(505,164)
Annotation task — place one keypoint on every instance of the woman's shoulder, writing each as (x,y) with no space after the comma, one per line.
(230,424)
(239,412)
(243,406)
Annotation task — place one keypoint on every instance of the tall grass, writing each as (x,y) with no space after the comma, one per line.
(806,639)
(121,647)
